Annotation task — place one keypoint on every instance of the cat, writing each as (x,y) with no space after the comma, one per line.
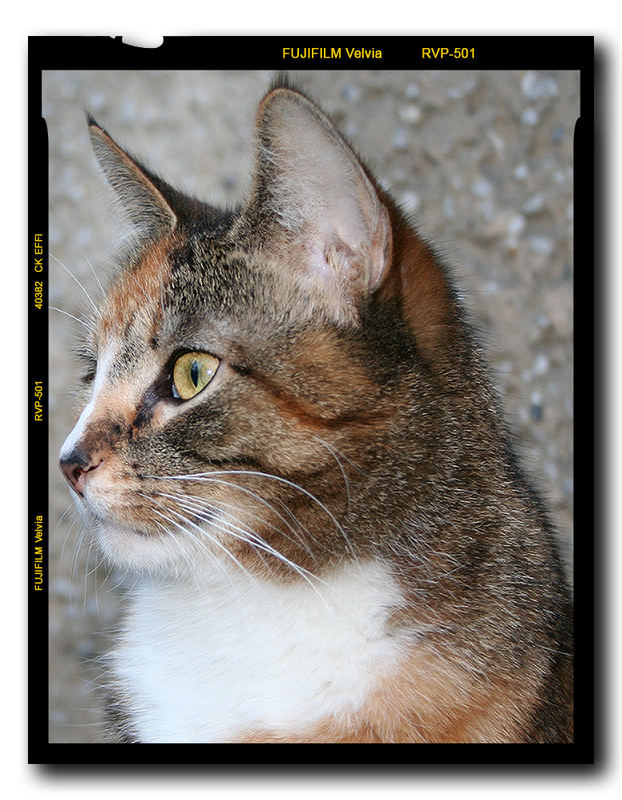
(289,438)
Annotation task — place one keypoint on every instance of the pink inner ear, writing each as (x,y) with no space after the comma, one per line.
(325,270)
(325,275)
(321,269)
(342,274)
(353,249)
(332,263)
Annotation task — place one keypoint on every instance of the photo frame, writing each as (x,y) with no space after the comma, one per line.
(486,142)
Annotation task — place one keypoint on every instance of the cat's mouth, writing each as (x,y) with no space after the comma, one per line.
(122,513)
(140,531)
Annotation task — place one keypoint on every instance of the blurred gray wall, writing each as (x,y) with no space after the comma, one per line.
(482,160)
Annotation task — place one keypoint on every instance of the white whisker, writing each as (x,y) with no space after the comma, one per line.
(342,454)
(207,476)
(223,504)
(93,271)
(77,319)
(88,296)
(259,542)
(345,477)
(201,544)
(243,534)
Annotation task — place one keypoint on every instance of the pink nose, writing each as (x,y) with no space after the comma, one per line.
(77,468)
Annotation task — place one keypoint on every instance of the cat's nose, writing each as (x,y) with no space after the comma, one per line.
(77,468)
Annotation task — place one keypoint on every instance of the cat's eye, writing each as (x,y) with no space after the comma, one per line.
(191,373)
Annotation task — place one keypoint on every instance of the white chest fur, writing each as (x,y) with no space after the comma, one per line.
(204,664)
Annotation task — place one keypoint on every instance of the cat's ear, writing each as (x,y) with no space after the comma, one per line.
(139,191)
(310,181)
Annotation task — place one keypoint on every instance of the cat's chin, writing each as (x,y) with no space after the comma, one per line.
(136,550)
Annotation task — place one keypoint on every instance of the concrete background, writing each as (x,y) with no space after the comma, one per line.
(482,160)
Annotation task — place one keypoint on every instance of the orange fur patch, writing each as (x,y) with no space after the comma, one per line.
(419,279)
(138,289)
(426,701)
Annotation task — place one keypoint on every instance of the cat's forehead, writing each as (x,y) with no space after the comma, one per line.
(215,273)
(179,286)
(136,293)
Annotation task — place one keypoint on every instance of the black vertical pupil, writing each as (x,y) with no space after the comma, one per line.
(194,372)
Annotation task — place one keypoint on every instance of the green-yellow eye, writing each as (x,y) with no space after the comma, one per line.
(191,373)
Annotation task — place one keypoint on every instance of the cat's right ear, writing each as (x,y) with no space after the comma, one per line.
(312,193)
(139,191)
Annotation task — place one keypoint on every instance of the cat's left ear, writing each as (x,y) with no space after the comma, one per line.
(142,194)
(310,181)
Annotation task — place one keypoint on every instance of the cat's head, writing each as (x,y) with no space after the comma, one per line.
(250,368)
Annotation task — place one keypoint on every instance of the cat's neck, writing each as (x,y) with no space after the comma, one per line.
(228,651)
